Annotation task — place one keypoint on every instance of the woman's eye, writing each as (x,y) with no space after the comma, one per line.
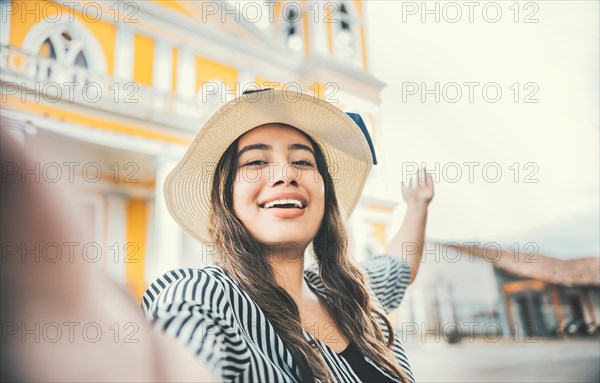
(256,163)
(303,163)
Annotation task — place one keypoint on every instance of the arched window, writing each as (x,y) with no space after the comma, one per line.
(292,29)
(59,52)
(63,51)
(346,30)
(47,50)
(80,60)
(344,40)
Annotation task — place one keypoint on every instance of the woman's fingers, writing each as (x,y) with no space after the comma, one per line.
(419,180)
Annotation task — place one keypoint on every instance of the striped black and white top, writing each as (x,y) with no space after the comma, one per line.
(208,311)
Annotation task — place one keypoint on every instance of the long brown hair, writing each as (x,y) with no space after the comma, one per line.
(246,260)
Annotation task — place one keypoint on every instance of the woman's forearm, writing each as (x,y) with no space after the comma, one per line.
(408,242)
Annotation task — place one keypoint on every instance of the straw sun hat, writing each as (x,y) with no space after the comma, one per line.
(343,138)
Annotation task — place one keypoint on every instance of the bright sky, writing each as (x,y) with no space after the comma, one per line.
(554,141)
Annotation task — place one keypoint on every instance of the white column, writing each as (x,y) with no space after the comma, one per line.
(124,53)
(585,309)
(167,235)
(317,28)
(186,82)
(163,64)
(4,22)
(186,73)
(163,74)
(116,207)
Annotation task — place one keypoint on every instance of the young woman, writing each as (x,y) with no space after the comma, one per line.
(272,174)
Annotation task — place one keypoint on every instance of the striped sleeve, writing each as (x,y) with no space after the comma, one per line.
(182,303)
(389,277)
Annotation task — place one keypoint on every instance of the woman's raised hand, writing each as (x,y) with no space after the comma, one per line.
(421,193)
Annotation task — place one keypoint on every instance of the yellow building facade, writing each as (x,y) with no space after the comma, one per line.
(119,89)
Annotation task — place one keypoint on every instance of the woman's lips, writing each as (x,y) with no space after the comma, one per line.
(279,212)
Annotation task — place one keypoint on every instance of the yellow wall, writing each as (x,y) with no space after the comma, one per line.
(135,250)
(379,234)
(305,17)
(106,35)
(363,45)
(277,11)
(174,70)
(143,59)
(261,81)
(376,207)
(31,12)
(208,70)
(318,90)
(329,29)
(20,24)
(358,4)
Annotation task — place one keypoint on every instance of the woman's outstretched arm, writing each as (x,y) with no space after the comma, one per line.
(408,242)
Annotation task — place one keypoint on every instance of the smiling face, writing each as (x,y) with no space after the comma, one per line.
(278,194)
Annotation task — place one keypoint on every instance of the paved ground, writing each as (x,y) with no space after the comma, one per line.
(546,360)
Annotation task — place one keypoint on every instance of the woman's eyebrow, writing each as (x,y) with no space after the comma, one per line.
(269,147)
(300,147)
(254,147)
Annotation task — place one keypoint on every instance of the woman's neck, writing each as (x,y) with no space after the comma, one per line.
(288,267)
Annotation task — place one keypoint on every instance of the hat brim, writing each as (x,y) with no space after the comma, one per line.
(187,188)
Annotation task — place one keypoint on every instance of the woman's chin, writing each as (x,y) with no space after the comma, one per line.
(284,241)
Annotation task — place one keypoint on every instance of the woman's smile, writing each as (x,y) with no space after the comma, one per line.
(285,205)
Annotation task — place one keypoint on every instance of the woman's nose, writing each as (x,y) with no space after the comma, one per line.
(285,173)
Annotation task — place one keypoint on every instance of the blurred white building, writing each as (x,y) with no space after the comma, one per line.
(483,289)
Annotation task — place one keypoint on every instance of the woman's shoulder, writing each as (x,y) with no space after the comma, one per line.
(387,279)
(378,268)
(200,286)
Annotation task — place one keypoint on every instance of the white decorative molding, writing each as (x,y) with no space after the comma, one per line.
(119,141)
(18,129)
(214,44)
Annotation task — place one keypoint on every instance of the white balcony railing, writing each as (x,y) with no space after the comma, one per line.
(23,75)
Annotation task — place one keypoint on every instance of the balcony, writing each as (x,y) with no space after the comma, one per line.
(31,77)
